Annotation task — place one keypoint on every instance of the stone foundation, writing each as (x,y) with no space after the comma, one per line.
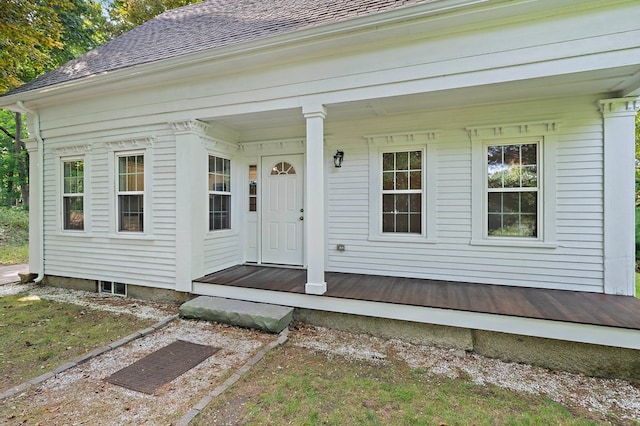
(412,332)
(591,360)
(133,291)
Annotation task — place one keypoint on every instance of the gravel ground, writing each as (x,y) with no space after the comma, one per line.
(79,396)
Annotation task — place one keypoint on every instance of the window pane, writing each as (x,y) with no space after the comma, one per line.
(415,203)
(219,212)
(253,188)
(73,213)
(416,160)
(131,173)
(529,154)
(388,181)
(530,176)
(402,161)
(513,214)
(388,162)
(416,180)
(131,215)
(388,222)
(402,181)
(415,225)
(402,222)
(388,203)
(402,202)
(511,154)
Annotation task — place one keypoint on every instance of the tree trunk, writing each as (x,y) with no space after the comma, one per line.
(20,162)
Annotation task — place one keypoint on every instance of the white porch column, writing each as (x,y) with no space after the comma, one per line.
(619,194)
(35,222)
(315,202)
(191,204)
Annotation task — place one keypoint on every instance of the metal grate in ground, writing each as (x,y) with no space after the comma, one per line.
(162,366)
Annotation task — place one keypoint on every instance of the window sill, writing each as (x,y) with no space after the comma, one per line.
(417,239)
(221,233)
(514,243)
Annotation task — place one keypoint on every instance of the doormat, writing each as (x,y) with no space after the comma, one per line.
(162,366)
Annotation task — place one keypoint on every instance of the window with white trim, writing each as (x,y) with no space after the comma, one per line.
(130,191)
(513,186)
(253,188)
(219,193)
(512,189)
(402,196)
(73,194)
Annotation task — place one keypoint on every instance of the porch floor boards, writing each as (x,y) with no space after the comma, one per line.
(557,305)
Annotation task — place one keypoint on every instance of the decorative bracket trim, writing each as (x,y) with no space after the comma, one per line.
(71,150)
(191,126)
(537,128)
(131,143)
(283,144)
(410,138)
(619,106)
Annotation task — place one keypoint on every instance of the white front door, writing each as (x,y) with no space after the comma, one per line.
(282,209)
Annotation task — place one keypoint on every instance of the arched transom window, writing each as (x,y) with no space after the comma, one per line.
(283,168)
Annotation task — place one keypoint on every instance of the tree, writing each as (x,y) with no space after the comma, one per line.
(127,14)
(13,161)
(29,30)
(36,36)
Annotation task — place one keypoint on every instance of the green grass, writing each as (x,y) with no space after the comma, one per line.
(293,385)
(14,236)
(39,335)
(638,285)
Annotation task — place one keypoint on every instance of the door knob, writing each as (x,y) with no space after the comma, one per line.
(301,217)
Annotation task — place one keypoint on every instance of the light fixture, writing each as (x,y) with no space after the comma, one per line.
(337,159)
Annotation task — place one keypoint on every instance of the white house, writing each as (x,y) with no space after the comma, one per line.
(487,142)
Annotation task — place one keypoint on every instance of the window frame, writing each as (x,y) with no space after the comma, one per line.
(409,191)
(538,188)
(119,192)
(424,141)
(545,133)
(65,195)
(213,192)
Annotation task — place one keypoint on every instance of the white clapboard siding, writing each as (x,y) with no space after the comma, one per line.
(575,263)
(220,252)
(97,253)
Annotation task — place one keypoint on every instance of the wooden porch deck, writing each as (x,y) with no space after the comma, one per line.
(556,305)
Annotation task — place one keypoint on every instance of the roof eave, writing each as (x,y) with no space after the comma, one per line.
(326,32)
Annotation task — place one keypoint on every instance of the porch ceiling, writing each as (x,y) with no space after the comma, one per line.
(613,82)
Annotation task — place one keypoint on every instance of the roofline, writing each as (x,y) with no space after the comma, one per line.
(377,21)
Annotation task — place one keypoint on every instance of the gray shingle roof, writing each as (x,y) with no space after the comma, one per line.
(209,25)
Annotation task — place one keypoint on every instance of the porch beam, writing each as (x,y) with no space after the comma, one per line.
(619,194)
(314,211)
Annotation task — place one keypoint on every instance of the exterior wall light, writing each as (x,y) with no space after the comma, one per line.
(337,159)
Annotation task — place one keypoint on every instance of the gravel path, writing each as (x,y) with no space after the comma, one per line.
(79,396)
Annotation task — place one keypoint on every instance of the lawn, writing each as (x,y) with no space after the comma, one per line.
(294,385)
(39,335)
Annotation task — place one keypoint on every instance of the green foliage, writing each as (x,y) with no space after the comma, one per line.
(127,14)
(37,36)
(14,236)
(13,176)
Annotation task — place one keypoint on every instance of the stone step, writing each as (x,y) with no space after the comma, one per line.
(262,316)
